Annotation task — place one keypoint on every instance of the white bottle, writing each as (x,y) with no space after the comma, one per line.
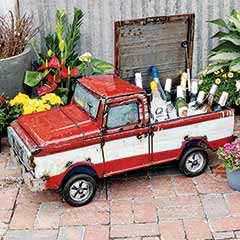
(158,105)
(138,79)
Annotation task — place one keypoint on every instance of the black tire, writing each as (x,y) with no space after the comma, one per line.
(200,164)
(71,186)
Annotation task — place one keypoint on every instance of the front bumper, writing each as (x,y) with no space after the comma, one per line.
(29,179)
(20,154)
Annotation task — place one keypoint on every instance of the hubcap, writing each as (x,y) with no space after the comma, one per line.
(80,190)
(195,162)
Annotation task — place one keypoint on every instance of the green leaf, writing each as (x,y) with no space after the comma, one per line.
(235,65)
(102,66)
(73,34)
(216,67)
(219,35)
(32,78)
(235,21)
(220,22)
(225,56)
(232,37)
(226,47)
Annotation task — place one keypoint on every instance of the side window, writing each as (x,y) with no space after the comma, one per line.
(123,115)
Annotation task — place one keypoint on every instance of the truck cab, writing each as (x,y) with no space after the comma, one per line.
(106,130)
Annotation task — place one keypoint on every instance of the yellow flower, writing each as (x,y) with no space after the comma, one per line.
(224,75)
(47,106)
(86,57)
(12,102)
(222,70)
(33,102)
(51,98)
(217,72)
(40,108)
(19,99)
(205,72)
(218,81)
(230,75)
(28,109)
(200,82)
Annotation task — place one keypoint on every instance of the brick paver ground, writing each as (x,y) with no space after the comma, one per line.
(157,203)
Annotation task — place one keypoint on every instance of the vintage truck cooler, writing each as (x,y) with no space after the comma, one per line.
(106,129)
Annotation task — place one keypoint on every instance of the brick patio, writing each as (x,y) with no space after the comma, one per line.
(150,204)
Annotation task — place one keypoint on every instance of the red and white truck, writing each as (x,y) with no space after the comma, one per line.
(106,130)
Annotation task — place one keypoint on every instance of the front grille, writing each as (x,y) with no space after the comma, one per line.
(19,148)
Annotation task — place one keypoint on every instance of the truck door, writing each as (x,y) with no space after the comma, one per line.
(126,139)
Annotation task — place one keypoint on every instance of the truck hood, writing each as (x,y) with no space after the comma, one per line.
(59,125)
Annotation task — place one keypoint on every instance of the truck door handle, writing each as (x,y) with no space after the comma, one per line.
(143,135)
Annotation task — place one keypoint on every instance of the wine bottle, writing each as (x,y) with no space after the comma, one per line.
(155,77)
(183,82)
(222,102)
(194,94)
(158,105)
(138,79)
(206,105)
(192,105)
(181,105)
(171,111)
(167,89)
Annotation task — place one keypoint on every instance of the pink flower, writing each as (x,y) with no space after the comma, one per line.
(1,99)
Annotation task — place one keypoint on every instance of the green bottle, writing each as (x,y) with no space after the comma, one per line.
(181,105)
(167,89)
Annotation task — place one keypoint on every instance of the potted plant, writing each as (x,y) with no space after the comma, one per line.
(230,154)
(224,69)
(15,57)
(57,69)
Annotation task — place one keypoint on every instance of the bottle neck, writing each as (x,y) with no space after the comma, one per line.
(180,92)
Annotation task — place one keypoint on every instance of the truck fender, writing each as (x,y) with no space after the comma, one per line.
(190,142)
(79,169)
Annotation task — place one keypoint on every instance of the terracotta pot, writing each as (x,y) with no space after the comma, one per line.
(12,71)
(233,179)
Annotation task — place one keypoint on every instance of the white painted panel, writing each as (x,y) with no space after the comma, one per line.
(126,147)
(172,138)
(55,164)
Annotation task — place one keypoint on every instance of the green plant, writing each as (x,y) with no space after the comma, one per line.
(230,154)
(227,52)
(58,68)
(7,113)
(15,33)
(226,81)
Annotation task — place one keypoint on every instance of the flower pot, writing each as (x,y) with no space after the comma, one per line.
(233,179)
(12,71)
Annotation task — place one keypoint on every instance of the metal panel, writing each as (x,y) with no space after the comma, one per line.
(144,42)
(97,30)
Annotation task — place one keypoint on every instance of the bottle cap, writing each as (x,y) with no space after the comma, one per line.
(138,80)
(153,86)
(168,85)
(194,87)
(200,97)
(223,99)
(180,92)
(213,89)
(154,70)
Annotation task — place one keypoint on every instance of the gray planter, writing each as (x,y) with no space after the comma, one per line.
(12,72)
(233,179)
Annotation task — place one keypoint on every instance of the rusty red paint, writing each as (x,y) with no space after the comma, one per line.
(109,86)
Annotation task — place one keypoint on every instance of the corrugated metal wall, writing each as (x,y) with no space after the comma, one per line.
(97,30)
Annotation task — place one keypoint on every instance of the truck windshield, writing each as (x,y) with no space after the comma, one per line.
(86,100)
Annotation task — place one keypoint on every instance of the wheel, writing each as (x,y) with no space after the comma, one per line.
(79,190)
(193,162)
